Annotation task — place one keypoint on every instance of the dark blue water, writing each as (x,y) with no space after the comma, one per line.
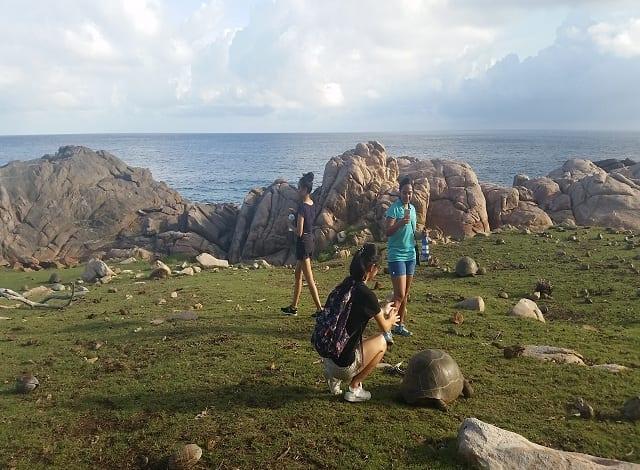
(223,167)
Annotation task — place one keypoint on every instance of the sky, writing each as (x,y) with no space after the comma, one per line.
(92,66)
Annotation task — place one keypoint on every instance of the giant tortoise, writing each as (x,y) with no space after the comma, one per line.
(433,378)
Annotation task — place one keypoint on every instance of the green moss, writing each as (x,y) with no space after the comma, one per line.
(255,372)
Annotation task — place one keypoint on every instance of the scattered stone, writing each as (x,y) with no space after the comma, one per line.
(96,270)
(196,269)
(483,445)
(503,295)
(208,261)
(57,287)
(187,271)
(631,409)
(615,368)
(500,241)
(162,301)
(174,295)
(526,308)
(553,354)
(113,290)
(157,321)
(26,383)
(54,278)
(457,318)
(535,296)
(37,292)
(185,458)
(198,306)
(129,260)
(186,316)
(472,303)
(466,266)
(583,408)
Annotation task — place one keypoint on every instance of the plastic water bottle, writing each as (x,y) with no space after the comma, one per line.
(425,247)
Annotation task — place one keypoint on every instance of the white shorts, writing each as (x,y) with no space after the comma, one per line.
(332,370)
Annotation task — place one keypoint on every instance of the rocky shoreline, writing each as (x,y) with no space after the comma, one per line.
(64,208)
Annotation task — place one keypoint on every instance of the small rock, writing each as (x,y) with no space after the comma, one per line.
(128,260)
(503,295)
(198,306)
(472,303)
(615,368)
(535,296)
(631,409)
(341,236)
(173,295)
(457,318)
(162,301)
(585,410)
(196,269)
(526,308)
(26,383)
(186,316)
(187,271)
(112,290)
(185,458)
(466,266)
(157,321)
(264,264)
(501,241)
(57,287)
(208,261)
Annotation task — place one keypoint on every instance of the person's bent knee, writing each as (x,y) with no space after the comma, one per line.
(381,344)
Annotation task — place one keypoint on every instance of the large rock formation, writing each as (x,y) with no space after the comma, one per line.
(514,206)
(261,228)
(485,446)
(79,202)
(351,187)
(456,204)
(586,194)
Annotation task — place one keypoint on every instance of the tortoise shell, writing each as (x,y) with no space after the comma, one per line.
(432,375)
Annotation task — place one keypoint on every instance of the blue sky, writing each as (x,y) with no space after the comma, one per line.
(75,66)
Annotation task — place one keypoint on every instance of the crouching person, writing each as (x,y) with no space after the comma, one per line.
(347,356)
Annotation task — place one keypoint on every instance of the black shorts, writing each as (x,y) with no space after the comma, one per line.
(305,246)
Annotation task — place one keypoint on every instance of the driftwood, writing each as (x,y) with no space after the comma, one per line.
(14,296)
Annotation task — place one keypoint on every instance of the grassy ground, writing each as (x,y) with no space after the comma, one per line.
(257,379)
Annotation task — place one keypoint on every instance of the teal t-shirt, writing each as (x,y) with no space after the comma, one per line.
(401,245)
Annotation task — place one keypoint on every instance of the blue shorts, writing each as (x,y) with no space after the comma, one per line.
(402,268)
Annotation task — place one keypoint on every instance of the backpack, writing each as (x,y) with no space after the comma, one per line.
(330,333)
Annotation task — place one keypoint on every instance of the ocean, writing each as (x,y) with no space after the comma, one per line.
(224,167)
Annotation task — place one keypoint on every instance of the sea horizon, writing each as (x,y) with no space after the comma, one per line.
(224,167)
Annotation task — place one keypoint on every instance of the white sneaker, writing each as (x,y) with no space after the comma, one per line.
(334,386)
(357,395)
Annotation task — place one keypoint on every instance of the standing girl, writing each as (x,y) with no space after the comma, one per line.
(305,245)
(401,226)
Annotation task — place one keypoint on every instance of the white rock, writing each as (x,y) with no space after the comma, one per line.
(341,237)
(160,265)
(553,354)
(264,264)
(128,260)
(527,309)
(96,269)
(187,271)
(472,303)
(615,368)
(196,269)
(208,261)
(486,446)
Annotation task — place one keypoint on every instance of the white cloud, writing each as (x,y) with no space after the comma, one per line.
(620,39)
(308,65)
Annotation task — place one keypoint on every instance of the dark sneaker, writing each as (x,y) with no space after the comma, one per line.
(290,311)
(401,330)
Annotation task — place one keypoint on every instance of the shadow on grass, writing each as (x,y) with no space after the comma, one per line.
(433,451)
(224,398)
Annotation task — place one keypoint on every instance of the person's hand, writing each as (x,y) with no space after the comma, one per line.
(392,314)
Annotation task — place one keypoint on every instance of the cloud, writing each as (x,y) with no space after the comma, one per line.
(586,79)
(287,65)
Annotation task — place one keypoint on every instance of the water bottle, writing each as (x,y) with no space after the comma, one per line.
(425,247)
